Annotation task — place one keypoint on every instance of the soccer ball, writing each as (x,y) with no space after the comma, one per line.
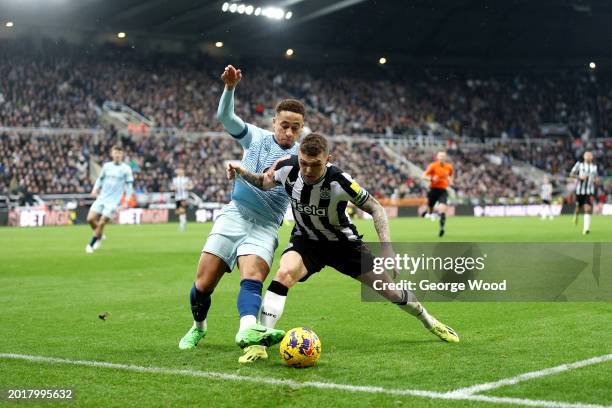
(301,347)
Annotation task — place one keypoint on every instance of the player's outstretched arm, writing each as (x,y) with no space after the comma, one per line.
(381,223)
(225,112)
(264,181)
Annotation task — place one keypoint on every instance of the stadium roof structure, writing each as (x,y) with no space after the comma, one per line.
(555,31)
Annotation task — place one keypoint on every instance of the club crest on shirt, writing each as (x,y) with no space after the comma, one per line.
(325,193)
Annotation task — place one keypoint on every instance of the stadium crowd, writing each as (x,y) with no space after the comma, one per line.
(58,85)
(69,163)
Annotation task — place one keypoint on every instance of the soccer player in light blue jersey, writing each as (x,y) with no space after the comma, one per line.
(246,231)
(115,178)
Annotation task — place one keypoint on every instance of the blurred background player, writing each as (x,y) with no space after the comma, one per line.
(246,232)
(323,234)
(181,185)
(585,172)
(115,178)
(546,195)
(439,174)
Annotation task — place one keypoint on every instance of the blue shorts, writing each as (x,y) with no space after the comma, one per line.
(106,208)
(235,234)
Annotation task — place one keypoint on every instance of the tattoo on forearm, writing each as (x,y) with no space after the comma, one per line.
(381,224)
(379,217)
(254,179)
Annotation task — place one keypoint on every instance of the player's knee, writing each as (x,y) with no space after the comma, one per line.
(205,286)
(254,274)
(286,276)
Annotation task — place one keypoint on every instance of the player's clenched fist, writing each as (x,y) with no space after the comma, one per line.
(231,76)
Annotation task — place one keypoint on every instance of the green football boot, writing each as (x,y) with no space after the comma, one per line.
(258,335)
(192,338)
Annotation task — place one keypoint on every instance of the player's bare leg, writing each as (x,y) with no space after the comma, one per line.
(290,271)
(408,302)
(93,220)
(210,270)
(99,232)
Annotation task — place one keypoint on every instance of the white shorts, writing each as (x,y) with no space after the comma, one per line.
(233,235)
(106,208)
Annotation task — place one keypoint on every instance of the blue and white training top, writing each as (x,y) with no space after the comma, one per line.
(113,180)
(261,151)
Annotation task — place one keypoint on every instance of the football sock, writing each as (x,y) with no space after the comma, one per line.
(249,301)
(273,304)
(246,321)
(411,305)
(442,220)
(587,222)
(183,220)
(200,303)
(93,240)
(200,325)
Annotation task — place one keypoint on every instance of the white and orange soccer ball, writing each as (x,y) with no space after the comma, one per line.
(300,347)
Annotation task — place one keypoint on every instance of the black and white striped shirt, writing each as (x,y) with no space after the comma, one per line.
(546,191)
(587,186)
(319,209)
(181,187)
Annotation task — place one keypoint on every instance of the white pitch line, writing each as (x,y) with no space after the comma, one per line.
(474,389)
(295,384)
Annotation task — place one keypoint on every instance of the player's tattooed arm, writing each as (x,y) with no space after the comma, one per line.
(264,181)
(381,223)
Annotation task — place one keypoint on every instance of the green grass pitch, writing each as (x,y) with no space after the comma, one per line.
(51,293)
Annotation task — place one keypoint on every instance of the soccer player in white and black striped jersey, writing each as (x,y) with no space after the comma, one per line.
(585,172)
(181,185)
(546,192)
(323,234)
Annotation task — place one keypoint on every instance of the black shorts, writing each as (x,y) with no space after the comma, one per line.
(437,195)
(349,258)
(582,199)
(545,201)
(181,204)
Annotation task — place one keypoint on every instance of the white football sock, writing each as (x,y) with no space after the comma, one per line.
(200,325)
(246,321)
(183,220)
(272,309)
(417,310)
(587,222)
